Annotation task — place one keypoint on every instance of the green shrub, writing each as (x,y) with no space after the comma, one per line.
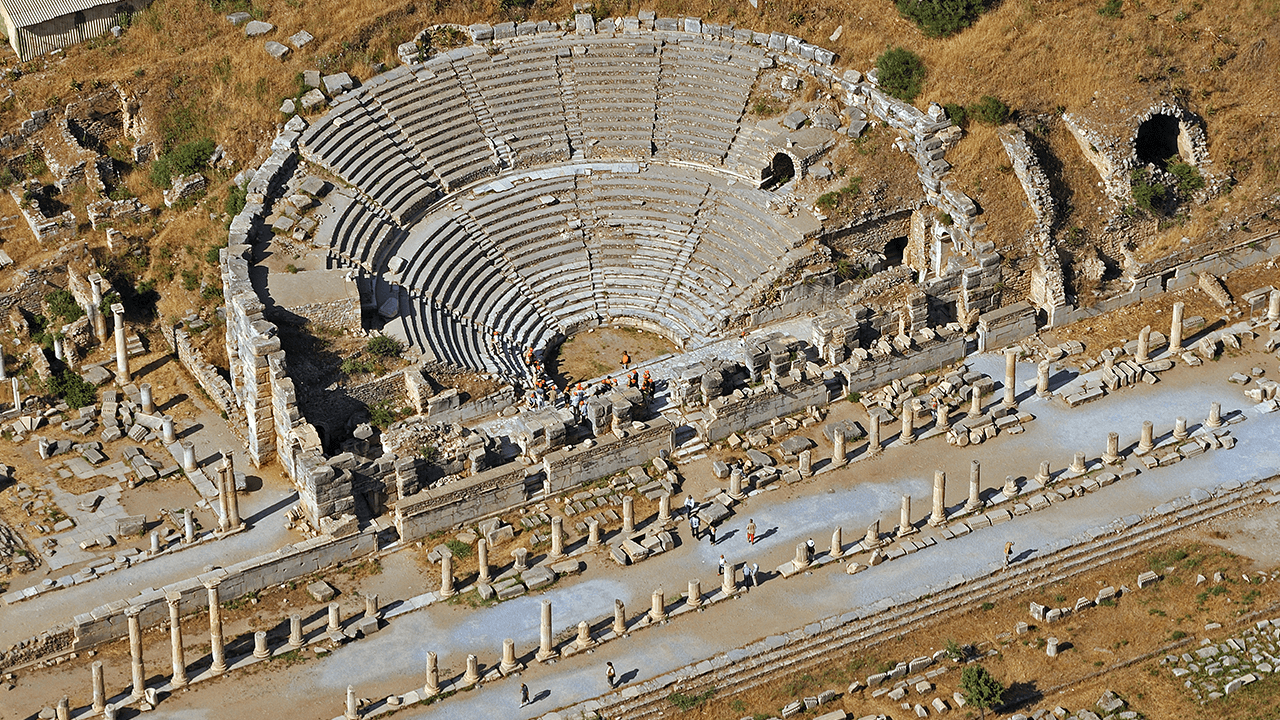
(184,159)
(1111,9)
(1189,177)
(1147,195)
(459,549)
(989,110)
(689,702)
(235,200)
(383,346)
(957,114)
(901,73)
(63,304)
(940,18)
(72,388)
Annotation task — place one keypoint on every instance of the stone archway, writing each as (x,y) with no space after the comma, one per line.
(782,169)
(1158,140)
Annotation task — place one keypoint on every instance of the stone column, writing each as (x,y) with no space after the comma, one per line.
(17,393)
(619,618)
(371,609)
(872,538)
(729,581)
(260,649)
(175,639)
(122,345)
(446,577)
(975,402)
(167,430)
(188,456)
(1042,379)
(837,447)
(584,640)
(545,651)
(335,618)
(1175,329)
(806,463)
(1180,428)
(224,503)
(1273,306)
(801,560)
(99,687)
(1148,442)
(215,629)
(63,711)
(295,631)
(904,518)
(975,487)
(628,516)
(233,501)
(2,375)
(1215,416)
(1078,464)
(658,607)
(188,526)
(155,542)
(509,664)
(433,676)
(148,405)
(557,539)
(1112,456)
(1043,476)
(837,542)
(135,651)
(664,508)
(1010,378)
(96,318)
(942,417)
(352,713)
(472,675)
(939,516)
(1144,345)
(695,593)
(482,556)
(908,423)
(873,437)
(593,533)
(1051,644)
(735,485)
(1010,489)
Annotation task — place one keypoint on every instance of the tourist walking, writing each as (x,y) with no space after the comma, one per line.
(626,360)
(751,532)
(711,532)
(693,526)
(609,674)
(746,576)
(1008,553)
(808,550)
(721,571)
(689,505)
(524,694)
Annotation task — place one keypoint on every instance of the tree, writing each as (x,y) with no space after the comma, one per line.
(901,73)
(980,688)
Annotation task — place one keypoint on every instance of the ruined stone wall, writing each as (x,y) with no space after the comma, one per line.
(58,639)
(343,314)
(811,293)
(474,408)
(454,503)
(205,374)
(570,467)
(1046,290)
(1006,326)
(878,371)
(872,234)
(389,388)
(729,414)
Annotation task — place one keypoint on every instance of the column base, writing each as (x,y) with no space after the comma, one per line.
(937,521)
(546,656)
(506,669)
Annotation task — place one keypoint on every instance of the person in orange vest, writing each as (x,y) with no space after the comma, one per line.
(633,380)
(626,360)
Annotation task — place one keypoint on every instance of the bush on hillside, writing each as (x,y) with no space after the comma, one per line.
(901,73)
(989,110)
(941,18)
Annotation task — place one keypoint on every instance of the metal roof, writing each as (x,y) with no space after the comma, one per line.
(25,13)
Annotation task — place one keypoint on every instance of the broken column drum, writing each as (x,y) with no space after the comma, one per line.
(148,405)
(694,598)
(482,555)
(1010,488)
(1147,443)
(729,580)
(619,617)
(1043,476)
(557,539)
(593,533)
(1112,455)
(352,713)
(335,617)
(433,676)
(1214,420)
(908,423)
(735,484)
(904,517)
(584,635)
(295,631)
(509,663)
(446,576)
(872,538)
(806,463)
(628,515)
(1180,428)
(664,508)
(837,542)
(188,457)
(260,649)
(801,560)
(1144,345)
(472,675)
(521,561)
(942,417)
(873,436)
(1273,309)
(837,447)
(658,608)
(1077,463)
(1042,379)
(975,402)
(167,430)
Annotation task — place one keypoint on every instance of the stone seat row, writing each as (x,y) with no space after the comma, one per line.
(353,230)
(370,156)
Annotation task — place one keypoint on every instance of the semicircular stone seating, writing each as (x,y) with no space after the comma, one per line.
(511,195)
